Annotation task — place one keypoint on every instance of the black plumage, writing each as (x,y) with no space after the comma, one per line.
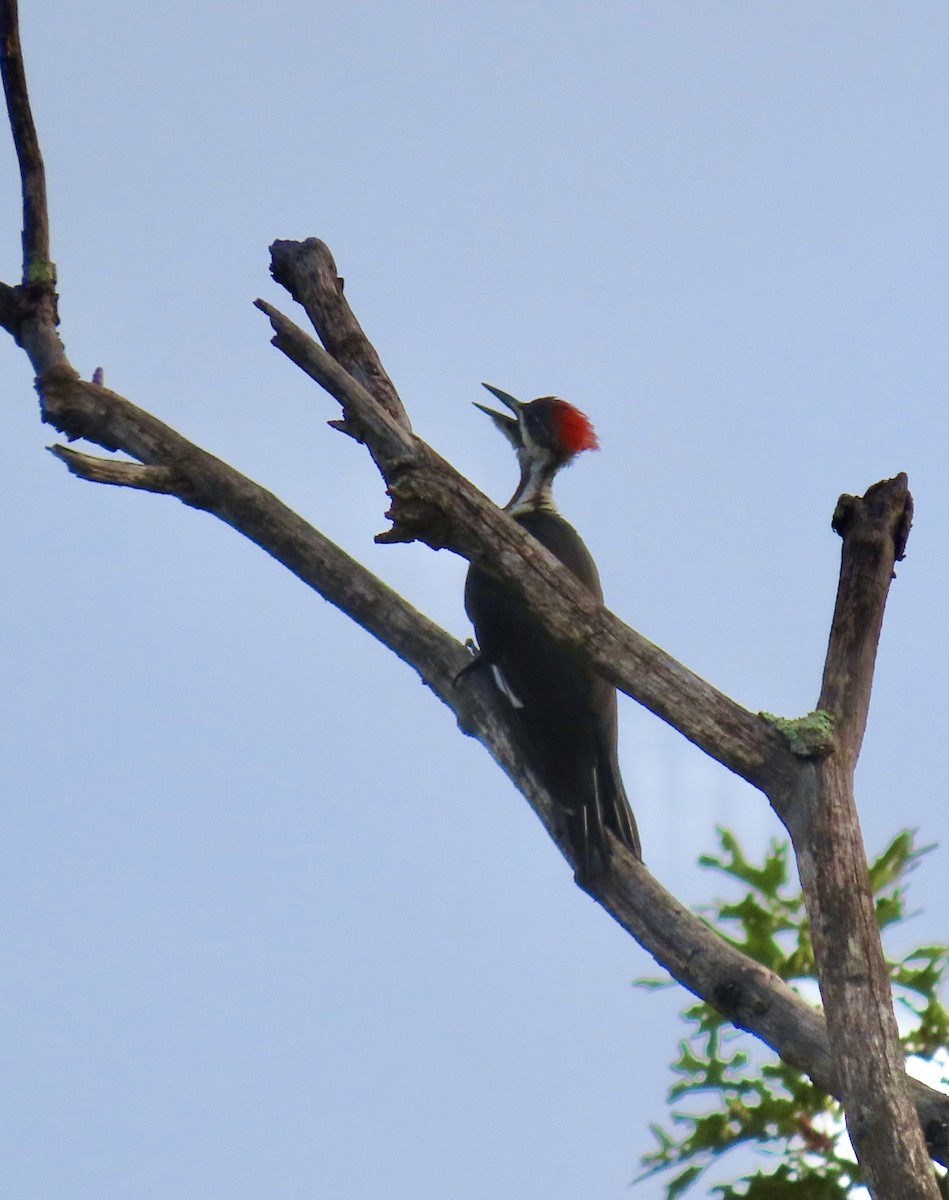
(565,712)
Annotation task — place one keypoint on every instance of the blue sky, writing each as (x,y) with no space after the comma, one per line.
(270,925)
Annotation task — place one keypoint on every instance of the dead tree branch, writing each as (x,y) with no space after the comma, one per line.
(432,503)
(855,984)
(37,266)
(321,294)
(747,993)
(843,892)
(161,480)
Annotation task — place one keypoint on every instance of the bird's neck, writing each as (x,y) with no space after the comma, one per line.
(535,491)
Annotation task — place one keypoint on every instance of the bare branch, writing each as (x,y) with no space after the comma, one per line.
(161,480)
(433,503)
(308,272)
(37,266)
(392,444)
(744,991)
(448,514)
(13,308)
(855,984)
(874,528)
(99,415)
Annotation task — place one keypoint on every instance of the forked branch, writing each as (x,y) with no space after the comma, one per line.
(433,503)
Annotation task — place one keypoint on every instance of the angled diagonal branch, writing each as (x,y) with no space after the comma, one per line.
(745,992)
(703,962)
(391,443)
(435,504)
(160,480)
(320,291)
(634,666)
(99,415)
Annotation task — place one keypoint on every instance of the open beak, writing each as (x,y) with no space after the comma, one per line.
(505,397)
(507,425)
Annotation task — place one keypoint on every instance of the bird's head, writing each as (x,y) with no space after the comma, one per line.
(548,428)
(546,434)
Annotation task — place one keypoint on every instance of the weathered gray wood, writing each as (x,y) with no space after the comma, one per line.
(37,265)
(854,980)
(741,989)
(434,504)
(314,280)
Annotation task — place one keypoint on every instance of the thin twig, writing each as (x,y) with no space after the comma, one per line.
(161,480)
(365,418)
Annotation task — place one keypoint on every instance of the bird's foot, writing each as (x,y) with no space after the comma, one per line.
(477,661)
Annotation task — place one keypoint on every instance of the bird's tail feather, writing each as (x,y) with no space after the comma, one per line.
(603,808)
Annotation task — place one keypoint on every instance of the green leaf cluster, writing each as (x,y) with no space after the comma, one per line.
(729,1093)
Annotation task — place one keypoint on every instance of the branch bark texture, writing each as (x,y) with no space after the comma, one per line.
(432,503)
(37,266)
(855,984)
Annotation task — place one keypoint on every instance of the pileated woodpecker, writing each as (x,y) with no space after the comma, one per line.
(565,711)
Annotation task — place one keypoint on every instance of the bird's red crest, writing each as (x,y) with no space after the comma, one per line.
(574,428)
